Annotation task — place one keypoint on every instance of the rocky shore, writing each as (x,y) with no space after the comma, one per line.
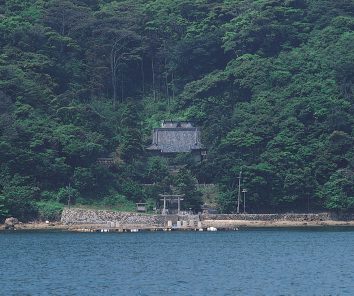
(36,226)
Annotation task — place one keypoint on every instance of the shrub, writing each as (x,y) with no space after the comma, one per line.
(49,210)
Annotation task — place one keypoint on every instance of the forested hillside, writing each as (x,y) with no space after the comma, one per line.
(270,82)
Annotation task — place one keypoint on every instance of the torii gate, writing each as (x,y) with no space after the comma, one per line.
(171,197)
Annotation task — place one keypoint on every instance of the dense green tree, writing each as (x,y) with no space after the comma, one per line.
(185,183)
(157,169)
(227,201)
(19,198)
(3,208)
(269,81)
(338,192)
(67,195)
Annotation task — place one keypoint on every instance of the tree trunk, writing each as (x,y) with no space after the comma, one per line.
(122,87)
(143,76)
(166,80)
(153,78)
(114,80)
(173,86)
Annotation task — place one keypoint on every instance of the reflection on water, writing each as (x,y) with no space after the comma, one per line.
(252,262)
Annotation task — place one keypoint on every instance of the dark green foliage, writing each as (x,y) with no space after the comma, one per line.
(185,183)
(227,202)
(49,210)
(269,81)
(338,192)
(157,169)
(3,209)
(67,195)
(20,199)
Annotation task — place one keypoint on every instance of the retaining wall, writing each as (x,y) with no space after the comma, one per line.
(84,216)
(279,217)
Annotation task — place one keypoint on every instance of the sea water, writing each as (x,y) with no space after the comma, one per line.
(245,262)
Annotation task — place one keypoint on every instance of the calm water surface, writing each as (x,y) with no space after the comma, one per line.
(251,262)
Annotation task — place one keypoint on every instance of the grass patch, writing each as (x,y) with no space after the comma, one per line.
(116,202)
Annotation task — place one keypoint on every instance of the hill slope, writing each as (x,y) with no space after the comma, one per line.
(269,81)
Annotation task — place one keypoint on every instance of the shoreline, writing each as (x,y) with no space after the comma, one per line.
(218,224)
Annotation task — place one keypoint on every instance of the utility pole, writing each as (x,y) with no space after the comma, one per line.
(239,192)
(244,200)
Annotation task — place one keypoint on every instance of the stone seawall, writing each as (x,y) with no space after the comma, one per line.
(268,217)
(279,217)
(130,220)
(83,216)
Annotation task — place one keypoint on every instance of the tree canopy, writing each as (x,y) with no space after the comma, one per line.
(270,82)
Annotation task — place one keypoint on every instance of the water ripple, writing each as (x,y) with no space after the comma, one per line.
(253,262)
